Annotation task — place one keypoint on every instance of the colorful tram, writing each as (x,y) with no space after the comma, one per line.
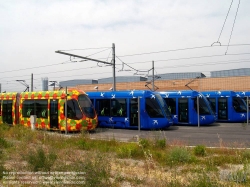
(49,109)
(228,106)
(183,107)
(139,109)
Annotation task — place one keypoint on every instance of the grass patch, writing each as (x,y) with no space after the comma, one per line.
(38,160)
(148,162)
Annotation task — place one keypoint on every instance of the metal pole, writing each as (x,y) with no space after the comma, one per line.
(31,82)
(247,111)
(139,115)
(198,111)
(113,60)
(153,74)
(66,111)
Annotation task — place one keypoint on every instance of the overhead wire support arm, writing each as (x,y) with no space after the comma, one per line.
(95,60)
(77,56)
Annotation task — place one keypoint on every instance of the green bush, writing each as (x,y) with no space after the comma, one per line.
(246,154)
(144,143)
(4,143)
(39,160)
(129,151)
(179,155)
(84,144)
(97,170)
(161,143)
(200,150)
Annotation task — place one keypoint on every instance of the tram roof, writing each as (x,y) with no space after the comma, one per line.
(119,94)
(243,93)
(180,93)
(220,93)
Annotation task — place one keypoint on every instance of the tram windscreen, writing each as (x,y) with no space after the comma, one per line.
(153,108)
(73,110)
(239,104)
(203,106)
(86,106)
(164,105)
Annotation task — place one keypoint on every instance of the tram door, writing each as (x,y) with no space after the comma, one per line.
(133,112)
(54,113)
(222,109)
(7,112)
(183,110)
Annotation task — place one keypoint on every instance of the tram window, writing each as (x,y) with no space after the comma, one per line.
(239,105)
(203,107)
(86,106)
(118,107)
(171,102)
(41,108)
(73,110)
(212,102)
(28,108)
(103,107)
(153,108)
(7,111)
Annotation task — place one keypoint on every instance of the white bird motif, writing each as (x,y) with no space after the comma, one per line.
(166,95)
(203,117)
(219,92)
(126,120)
(102,94)
(208,95)
(179,92)
(242,115)
(175,116)
(113,96)
(155,122)
(243,93)
(152,96)
(132,92)
(111,119)
(200,95)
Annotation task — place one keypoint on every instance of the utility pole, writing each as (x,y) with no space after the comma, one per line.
(31,82)
(113,60)
(53,84)
(153,78)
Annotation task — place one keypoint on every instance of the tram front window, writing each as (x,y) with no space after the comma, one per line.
(153,108)
(203,107)
(164,105)
(239,105)
(73,110)
(86,106)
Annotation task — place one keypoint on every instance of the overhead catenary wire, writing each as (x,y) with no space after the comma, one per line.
(233,27)
(218,41)
(56,64)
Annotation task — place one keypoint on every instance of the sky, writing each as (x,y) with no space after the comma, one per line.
(178,36)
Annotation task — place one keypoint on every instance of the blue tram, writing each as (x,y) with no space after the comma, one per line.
(245,95)
(228,106)
(183,107)
(131,109)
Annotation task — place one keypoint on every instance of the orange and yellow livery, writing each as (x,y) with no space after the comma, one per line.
(50,110)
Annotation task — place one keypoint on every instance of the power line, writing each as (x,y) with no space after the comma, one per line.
(233,26)
(218,41)
(84,49)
